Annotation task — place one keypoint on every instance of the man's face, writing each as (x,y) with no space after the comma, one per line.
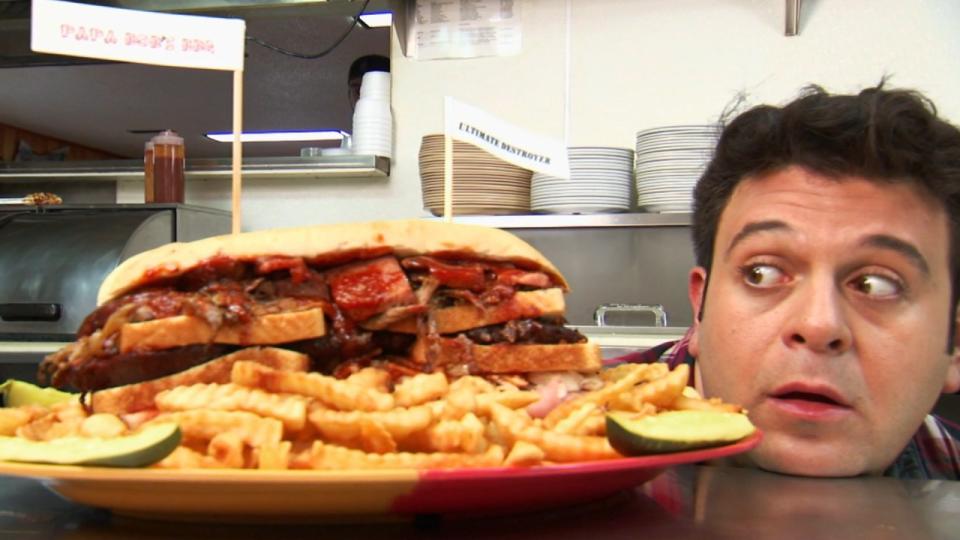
(353,90)
(827,317)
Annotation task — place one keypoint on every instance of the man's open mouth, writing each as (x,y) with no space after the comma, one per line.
(809,396)
(811,401)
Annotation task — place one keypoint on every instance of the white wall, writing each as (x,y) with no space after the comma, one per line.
(633,64)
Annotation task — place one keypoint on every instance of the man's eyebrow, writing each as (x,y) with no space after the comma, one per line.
(885,241)
(756,227)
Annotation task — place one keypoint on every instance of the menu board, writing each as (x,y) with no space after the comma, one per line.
(464,29)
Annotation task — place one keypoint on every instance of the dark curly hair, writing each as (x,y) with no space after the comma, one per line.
(883,135)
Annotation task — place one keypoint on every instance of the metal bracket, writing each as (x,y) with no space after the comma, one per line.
(659,314)
(792,26)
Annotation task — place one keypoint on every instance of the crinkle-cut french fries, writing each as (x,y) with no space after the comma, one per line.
(13,419)
(420,389)
(343,426)
(371,377)
(512,399)
(272,419)
(375,439)
(571,424)
(660,392)
(336,393)
(289,409)
(650,371)
(329,456)
(274,456)
(558,447)
(478,385)
(463,435)
(685,403)
(182,457)
(103,425)
(227,450)
(596,425)
(524,454)
(457,403)
(206,424)
(632,375)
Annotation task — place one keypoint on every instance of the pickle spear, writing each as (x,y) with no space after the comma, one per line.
(675,431)
(145,447)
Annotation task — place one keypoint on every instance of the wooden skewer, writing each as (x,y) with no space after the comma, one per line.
(447,178)
(447,163)
(237,150)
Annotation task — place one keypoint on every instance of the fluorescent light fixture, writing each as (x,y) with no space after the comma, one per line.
(280,136)
(377,20)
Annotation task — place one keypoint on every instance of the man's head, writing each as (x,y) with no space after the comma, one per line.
(828,233)
(370,62)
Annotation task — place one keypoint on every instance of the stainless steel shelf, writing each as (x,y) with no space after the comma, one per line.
(351,166)
(584,220)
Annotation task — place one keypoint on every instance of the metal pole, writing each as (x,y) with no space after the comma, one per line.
(793,18)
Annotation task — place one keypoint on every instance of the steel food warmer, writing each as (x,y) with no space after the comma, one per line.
(53,259)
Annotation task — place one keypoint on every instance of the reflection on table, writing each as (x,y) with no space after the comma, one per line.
(685,502)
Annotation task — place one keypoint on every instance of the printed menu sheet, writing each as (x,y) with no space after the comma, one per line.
(464,29)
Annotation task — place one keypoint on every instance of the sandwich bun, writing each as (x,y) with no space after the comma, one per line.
(332,243)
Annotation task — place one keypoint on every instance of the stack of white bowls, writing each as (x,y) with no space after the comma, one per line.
(601,179)
(670,160)
(372,119)
(482,182)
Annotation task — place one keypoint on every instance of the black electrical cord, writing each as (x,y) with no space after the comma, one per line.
(328,50)
(7,218)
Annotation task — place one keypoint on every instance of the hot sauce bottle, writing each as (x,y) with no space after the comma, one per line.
(168,158)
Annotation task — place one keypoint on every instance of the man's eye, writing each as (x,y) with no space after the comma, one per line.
(877,286)
(762,275)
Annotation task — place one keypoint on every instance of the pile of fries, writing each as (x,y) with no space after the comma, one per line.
(273,419)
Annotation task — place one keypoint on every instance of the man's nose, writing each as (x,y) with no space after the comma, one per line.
(819,320)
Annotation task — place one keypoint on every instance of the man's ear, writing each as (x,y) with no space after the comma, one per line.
(696,290)
(951,384)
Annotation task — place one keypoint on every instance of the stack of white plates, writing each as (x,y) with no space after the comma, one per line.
(669,162)
(482,183)
(600,181)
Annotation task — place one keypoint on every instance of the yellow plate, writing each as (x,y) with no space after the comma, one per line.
(251,495)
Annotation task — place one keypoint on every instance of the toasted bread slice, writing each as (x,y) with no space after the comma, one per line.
(182,330)
(523,305)
(139,396)
(510,357)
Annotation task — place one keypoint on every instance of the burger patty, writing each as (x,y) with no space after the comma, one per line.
(539,331)
(325,353)
(328,352)
(102,372)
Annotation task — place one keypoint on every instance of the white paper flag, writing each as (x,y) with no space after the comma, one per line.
(506,141)
(137,36)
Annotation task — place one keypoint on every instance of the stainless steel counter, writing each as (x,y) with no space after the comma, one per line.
(691,502)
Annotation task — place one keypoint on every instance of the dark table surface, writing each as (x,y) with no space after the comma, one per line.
(684,502)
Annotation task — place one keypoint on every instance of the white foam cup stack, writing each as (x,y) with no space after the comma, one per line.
(372,118)
(375,85)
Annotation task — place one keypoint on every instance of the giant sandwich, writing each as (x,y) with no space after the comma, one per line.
(417,296)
